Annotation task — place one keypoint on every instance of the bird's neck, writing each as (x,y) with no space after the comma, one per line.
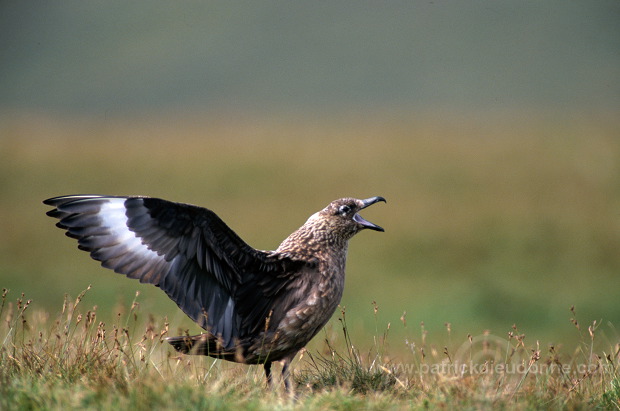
(313,240)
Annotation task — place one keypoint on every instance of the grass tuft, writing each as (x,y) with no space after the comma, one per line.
(352,371)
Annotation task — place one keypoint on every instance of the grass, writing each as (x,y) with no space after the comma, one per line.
(74,361)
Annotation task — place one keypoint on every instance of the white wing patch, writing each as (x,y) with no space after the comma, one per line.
(113,217)
(120,249)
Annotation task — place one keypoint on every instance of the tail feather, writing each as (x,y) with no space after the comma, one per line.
(204,344)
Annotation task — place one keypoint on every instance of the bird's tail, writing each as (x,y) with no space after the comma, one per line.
(203,344)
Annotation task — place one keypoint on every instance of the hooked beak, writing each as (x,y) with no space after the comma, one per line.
(364,223)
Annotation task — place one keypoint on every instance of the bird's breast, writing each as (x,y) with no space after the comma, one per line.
(305,319)
(315,310)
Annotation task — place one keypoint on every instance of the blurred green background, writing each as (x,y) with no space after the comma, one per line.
(492,129)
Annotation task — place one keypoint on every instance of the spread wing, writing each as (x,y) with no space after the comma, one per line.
(218,280)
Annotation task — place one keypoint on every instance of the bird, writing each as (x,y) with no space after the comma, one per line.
(256,307)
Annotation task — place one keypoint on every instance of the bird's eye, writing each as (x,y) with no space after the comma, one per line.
(344,209)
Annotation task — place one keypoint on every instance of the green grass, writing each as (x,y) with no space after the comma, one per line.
(71,360)
(491,220)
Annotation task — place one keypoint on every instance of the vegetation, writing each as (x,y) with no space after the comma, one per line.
(492,220)
(77,361)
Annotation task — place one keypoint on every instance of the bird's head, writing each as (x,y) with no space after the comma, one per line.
(334,225)
(342,216)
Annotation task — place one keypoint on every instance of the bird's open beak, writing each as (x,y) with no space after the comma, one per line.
(360,220)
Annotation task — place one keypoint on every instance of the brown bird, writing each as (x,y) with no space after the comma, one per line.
(256,306)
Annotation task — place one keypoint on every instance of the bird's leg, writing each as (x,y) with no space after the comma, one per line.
(268,373)
(286,373)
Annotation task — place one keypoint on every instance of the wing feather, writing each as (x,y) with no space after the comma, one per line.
(218,280)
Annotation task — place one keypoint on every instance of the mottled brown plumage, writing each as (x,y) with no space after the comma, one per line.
(256,306)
